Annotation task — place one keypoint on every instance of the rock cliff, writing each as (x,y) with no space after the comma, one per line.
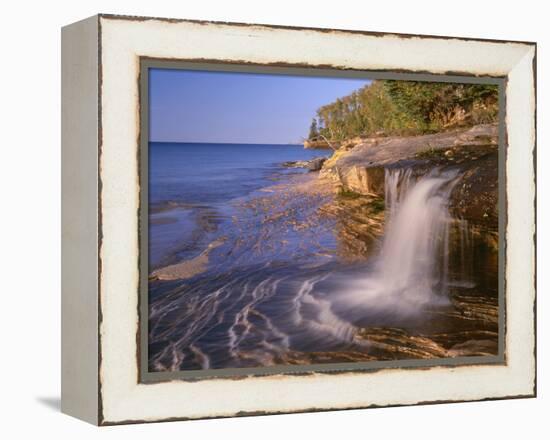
(359,167)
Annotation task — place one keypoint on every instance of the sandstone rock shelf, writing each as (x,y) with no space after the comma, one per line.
(473,152)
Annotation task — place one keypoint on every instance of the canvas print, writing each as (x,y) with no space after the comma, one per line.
(316,220)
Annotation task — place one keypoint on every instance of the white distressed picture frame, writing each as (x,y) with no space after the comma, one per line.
(101,194)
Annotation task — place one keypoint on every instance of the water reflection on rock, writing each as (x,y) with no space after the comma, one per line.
(302,274)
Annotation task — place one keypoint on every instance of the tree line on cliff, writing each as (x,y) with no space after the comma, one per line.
(388,107)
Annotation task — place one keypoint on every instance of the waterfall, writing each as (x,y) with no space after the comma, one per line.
(412,269)
(397,184)
(415,254)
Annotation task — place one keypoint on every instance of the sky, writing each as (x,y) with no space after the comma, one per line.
(224,107)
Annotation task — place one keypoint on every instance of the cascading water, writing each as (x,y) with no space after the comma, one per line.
(412,268)
(258,313)
(414,258)
(397,183)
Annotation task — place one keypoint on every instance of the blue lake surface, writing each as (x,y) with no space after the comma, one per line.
(192,187)
(213,173)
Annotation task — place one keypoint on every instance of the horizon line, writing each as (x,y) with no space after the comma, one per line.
(227,143)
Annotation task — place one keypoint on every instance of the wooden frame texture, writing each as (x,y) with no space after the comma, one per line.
(101,59)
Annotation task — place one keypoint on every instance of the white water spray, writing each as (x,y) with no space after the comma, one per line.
(412,268)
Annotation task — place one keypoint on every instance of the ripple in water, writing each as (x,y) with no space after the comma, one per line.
(264,314)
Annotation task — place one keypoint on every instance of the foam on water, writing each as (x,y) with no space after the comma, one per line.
(253,313)
(412,268)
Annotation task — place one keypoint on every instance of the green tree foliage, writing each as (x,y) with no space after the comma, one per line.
(406,107)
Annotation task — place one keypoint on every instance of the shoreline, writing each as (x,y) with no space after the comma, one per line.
(355,175)
(270,232)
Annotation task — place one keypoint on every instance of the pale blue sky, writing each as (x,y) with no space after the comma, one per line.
(200,106)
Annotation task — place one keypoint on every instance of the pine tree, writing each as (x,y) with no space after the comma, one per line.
(313,129)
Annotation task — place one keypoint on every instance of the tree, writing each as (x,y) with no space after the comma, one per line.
(405,107)
(313,129)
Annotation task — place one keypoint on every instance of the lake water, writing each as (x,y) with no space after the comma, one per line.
(187,179)
(263,277)
(213,173)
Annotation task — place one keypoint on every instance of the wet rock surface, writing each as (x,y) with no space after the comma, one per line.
(470,329)
(359,223)
(250,301)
